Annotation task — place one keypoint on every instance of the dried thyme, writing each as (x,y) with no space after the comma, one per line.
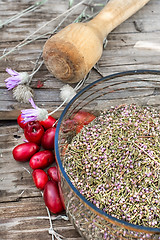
(115,163)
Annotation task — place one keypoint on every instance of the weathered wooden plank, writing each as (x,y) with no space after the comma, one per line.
(20,202)
(14,178)
(119,55)
(28,218)
(30,22)
(119,45)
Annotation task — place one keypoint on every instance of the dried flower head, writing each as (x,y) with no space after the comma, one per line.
(16,78)
(34,114)
(67,93)
(22,93)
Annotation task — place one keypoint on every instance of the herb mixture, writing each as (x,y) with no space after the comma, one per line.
(115,163)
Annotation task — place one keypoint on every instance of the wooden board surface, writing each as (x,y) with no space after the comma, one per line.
(21,204)
(119,54)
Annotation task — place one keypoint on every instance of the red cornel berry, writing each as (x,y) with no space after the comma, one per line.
(48,138)
(80,119)
(48,123)
(53,174)
(21,122)
(41,159)
(83,118)
(33,132)
(52,197)
(40,178)
(23,152)
(61,194)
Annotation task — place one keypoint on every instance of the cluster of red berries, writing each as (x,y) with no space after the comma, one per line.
(39,151)
(40,135)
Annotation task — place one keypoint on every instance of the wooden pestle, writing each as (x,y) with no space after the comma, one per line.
(71,53)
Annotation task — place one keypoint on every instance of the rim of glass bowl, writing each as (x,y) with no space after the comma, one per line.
(88,204)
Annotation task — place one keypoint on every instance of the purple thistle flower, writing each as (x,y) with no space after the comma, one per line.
(16,78)
(34,114)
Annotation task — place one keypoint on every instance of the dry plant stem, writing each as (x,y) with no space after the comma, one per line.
(82,14)
(153,159)
(71,3)
(50,222)
(59,217)
(61,15)
(36,69)
(51,230)
(51,113)
(28,10)
(69,54)
(78,86)
(33,39)
(27,170)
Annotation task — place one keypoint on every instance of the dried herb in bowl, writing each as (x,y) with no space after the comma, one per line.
(115,163)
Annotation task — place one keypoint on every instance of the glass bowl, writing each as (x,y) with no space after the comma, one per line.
(141,87)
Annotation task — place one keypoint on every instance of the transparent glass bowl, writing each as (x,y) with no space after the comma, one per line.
(141,87)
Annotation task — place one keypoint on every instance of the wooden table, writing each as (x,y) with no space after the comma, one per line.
(22,209)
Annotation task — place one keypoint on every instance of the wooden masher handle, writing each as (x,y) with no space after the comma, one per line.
(114,13)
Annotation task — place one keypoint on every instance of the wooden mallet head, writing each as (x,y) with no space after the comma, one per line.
(71,53)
